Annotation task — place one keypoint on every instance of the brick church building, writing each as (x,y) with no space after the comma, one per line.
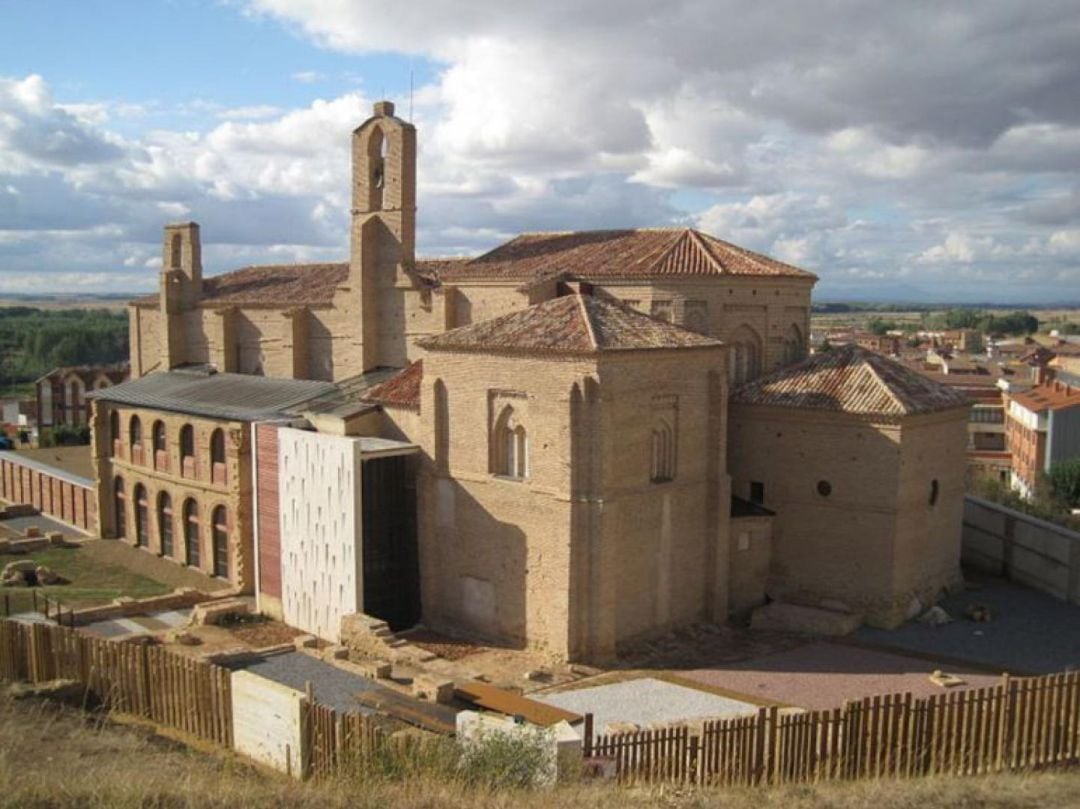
(569,443)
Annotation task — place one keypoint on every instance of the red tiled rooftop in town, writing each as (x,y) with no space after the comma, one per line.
(1052,396)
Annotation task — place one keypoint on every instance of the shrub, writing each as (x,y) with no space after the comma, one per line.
(519,760)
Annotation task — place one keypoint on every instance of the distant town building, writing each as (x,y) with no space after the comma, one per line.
(1042,428)
(61,393)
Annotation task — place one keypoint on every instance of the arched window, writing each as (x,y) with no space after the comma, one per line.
(442,427)
(219,526)
(142,517)
(794,346)
(187,451)
(101,383)
(377,149)
(135,439)
(75,401)
(521,452)
(161,455)
(176,252)
(165,523)
(663,453)
(191,532)
(510,446)
(744,355)
(217,457)
(119,508)
(114,433)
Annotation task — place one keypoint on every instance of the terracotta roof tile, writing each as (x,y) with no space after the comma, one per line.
(851,379)
(289,284)
(571,324)
(1052,396)
(602,254)
(400,390)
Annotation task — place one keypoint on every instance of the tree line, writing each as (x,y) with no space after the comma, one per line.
(1011,323)
(34,341)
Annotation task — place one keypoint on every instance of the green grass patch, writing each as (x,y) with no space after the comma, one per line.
(90,581)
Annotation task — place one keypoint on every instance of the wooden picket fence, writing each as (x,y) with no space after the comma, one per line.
(1019,724)
(340,742)
(145,681)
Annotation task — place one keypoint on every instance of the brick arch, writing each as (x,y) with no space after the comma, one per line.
(745,350)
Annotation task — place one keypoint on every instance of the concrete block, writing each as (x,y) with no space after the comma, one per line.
(375,669)
(810,620)
(212,612)
(306,642)
(432,690)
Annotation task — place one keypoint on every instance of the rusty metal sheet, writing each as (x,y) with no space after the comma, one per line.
(506,702)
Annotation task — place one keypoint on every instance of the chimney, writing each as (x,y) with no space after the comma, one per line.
(384,109)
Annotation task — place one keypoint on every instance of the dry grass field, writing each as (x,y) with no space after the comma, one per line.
(53,756)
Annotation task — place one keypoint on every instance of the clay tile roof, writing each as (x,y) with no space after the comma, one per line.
(850,379)
(400,390)
(571,324)
(289,284)
(602,254)
(1052,396)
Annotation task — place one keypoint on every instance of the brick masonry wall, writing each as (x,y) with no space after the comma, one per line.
(56,497)
(116,459)
(873,541)
(269,538)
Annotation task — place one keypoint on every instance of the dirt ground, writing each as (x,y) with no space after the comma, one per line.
(75,460)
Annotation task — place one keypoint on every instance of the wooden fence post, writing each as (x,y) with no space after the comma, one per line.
(587,741)
(307,731)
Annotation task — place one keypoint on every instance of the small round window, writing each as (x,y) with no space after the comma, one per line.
(934,489)
(824,488)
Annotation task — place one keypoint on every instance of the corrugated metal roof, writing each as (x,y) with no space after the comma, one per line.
(216,395)
(851,379)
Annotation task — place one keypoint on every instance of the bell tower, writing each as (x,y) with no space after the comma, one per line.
(383,236)
(180,287)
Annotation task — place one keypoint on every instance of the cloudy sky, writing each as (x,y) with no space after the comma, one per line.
(913,150)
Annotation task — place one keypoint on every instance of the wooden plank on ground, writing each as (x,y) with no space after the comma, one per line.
(506,702)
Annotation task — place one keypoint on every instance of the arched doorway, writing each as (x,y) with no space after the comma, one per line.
(165,523)
(191,532)
(219,527)
(119,508)
(142,517)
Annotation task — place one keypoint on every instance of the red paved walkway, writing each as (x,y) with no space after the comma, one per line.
(823,675)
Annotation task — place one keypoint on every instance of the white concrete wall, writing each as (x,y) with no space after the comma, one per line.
(321,551)
(1026,549)
(268,722)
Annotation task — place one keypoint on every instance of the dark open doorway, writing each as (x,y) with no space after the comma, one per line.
(391,561)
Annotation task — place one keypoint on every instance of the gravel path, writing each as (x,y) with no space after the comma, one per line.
(823,675)
(1031,632)
(644,702)
(332,686)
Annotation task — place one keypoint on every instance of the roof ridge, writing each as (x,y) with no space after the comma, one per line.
(699,240)
(588,321)
(882,382)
